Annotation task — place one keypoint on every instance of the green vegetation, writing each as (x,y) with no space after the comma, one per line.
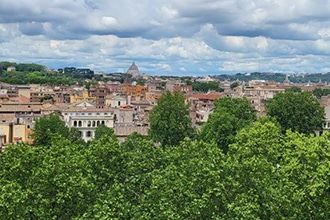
(229,116)
(264,175)
(298,111)
(169,120)
(318,92)
(38,74)
(207,86)
(48,127)
(277,77)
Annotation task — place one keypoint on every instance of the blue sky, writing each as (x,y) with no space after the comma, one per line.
(169,37)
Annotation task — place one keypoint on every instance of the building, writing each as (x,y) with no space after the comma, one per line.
(86,117)
(137,93)
(133,70)
(99,92)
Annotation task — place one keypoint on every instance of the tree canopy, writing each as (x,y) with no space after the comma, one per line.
(298,111)
(169,120)
(46,127)
(264,175)
(229,116)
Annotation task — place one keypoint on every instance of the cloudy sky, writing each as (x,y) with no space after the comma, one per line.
(169,37)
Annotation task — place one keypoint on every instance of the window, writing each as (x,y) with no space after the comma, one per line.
(93,123)
(88,134)
(89,123)
(79,123)
(74,123)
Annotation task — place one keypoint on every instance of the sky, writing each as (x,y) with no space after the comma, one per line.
(169,37)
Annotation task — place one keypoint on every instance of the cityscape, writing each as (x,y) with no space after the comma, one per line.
(164,110)
(122,101)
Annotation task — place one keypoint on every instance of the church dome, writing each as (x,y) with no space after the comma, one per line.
(133,70)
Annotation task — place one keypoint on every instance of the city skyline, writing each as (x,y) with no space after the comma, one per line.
(199,37)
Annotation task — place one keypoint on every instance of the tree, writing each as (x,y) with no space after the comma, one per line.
(189,187)
(75,136)
(254,186)
(102,130)
(207,86)
(298,111)
(169,120)
(293,89)
(306,166)
(234,85)
(45,127)
(229,116)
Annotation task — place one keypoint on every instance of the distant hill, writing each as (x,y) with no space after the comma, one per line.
(277,77)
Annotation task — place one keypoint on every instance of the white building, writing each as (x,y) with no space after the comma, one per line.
(86,117)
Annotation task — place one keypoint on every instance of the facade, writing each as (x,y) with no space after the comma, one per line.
(100,93)
(138,92)
(86,117)
(80,97)
(117,101)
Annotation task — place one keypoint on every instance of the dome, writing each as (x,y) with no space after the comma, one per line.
(133,70)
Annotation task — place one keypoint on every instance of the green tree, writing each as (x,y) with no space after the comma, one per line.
(254,186)
(298,111)
(169,120)
(45,127)
(293,89)
(102,130)
(229,116)
(234,85)
(63,184)
(207,86)
(189,186)
(75,136)
(319,92)
(306,166)
(17,165)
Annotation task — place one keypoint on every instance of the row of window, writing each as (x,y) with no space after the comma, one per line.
(89,123)
(90,113)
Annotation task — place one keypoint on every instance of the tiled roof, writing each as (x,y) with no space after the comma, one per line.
(205,96)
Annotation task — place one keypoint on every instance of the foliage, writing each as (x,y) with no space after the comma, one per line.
(47,97)
(45,127)
(102,130)
(264,175)
(207,86)
(169,120)
(229,116)
(234,85)
(293,89)
(23,67)
(296,111)
(318,92)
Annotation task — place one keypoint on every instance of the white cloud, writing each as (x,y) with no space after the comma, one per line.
(201,36)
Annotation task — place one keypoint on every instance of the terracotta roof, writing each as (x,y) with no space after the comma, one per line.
(205,96)
(19,107)
(7,117)
(21,99)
